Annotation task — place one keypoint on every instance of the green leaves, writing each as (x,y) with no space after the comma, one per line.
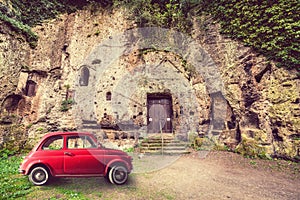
(270,27)
(5,153)
(12,184)
(66,105)
(19,27)
(165,13)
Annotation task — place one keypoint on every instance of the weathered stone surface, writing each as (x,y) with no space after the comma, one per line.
(264,99)
(64,84)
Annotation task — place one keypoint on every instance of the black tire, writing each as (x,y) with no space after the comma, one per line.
(39,176)
(118,174)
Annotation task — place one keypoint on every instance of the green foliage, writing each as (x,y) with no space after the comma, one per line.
(164,13)
(21,28)
(5,153)
(66,105)
(252,162)
(29,126)
(97,33)
(129,150)
(71,194)
(12,184)
(197,143)
(270,27)
(250,149)
(22,15)
(13,139)
(35,11)
(40,129)
(221,147)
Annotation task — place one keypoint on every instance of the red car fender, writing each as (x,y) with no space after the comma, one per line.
(115,161)
(39,162)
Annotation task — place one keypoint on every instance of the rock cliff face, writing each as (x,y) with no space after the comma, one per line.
(41,87)
(263,100)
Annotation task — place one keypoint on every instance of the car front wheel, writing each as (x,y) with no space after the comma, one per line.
(118,175)
(39,176)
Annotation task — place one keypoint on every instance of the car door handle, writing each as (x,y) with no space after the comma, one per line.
(68,154)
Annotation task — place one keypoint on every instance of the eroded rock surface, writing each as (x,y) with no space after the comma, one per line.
(38,86)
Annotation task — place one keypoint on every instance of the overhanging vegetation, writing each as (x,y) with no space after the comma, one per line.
(271,28)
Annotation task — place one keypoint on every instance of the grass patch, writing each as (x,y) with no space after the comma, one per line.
(12,184)
(16,186)
(72,194)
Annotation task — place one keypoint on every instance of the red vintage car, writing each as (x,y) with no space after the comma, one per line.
(72,154)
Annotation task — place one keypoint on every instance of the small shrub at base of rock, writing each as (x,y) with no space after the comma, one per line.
(129,150)
(249,148)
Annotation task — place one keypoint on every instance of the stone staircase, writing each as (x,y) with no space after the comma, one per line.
(163,146)
(90,125)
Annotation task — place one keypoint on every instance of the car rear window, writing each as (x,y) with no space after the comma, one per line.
(53,143)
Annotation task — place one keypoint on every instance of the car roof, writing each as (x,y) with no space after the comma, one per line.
(50,134)
(67,133)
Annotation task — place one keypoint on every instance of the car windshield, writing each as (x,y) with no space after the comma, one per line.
(79,142)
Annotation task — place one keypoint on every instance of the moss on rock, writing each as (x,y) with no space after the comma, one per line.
(252,148)
(13,138)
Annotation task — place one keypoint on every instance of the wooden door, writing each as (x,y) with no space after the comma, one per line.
(159,114)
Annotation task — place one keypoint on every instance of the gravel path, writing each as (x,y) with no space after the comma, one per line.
(224,175)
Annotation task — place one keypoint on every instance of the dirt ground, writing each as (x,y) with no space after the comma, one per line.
(220,175)
(225,175)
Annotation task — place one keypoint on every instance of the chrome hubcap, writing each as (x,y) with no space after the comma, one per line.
(39,176)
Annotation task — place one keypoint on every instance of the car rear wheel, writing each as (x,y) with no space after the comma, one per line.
(39,176)
(118,175)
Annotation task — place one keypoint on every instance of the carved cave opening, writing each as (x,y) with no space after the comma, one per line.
(108,96)
(11,102)
(31,88)
(84,76)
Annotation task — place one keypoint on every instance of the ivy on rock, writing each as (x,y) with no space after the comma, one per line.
(271,28)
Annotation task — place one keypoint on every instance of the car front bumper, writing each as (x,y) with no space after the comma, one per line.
(21,171)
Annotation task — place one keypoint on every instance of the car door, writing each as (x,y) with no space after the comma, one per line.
(82,157)
(51,153)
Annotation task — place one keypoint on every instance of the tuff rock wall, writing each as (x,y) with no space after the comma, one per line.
(37,85)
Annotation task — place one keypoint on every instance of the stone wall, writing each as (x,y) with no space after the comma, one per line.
(45,87)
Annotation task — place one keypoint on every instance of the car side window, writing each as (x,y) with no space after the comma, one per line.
(53,143)
(80,142)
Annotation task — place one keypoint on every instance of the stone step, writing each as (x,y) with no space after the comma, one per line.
(166,152)
(164,144)
(160,140)
(164,148)
(89,121)
(91,127)
(169,145)
(159,136)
